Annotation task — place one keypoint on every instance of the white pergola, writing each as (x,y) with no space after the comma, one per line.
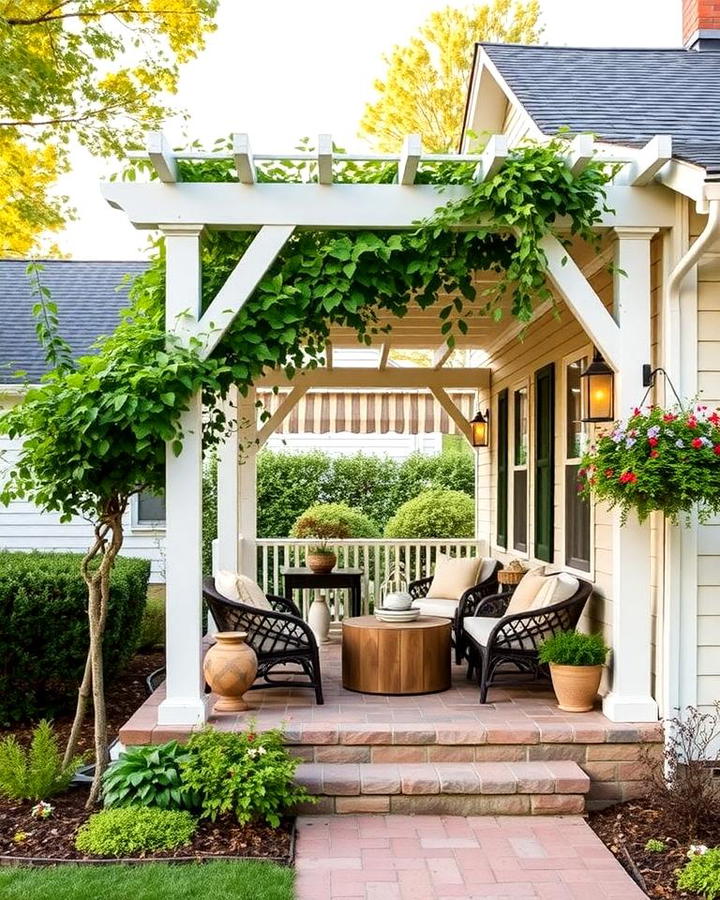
(182,211)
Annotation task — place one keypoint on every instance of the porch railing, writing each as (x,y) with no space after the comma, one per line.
(378,558)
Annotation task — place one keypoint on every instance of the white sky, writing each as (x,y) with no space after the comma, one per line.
(286,69)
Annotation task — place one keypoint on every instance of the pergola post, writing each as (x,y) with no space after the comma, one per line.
(630,699)
(184,703)
(228,493)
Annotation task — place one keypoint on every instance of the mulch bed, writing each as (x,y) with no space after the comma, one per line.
(53,838)
(627,827)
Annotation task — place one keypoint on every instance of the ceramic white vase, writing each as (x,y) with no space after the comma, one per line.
(397,600)
(319,618)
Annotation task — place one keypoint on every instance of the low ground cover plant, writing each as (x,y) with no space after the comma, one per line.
(702,875)
(37,772)
(249,775)
(573,648)
(132,830)
(149,776)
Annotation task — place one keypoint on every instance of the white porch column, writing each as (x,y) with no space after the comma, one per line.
(247,484)
(630,699)
(184,703)
(228,494)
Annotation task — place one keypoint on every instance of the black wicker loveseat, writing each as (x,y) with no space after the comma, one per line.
(279,637)
(418,591)
(514,639)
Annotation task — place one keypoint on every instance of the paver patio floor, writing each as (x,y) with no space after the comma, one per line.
(438,857)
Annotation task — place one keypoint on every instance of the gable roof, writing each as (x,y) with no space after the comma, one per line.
(624,96)
(89,297)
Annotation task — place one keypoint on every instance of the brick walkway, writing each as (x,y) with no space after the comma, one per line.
(438,857)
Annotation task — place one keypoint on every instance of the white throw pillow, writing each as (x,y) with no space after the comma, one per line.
(556,589)
(241,589)
(526,591)
(226,584)
(453,576)
(487,566)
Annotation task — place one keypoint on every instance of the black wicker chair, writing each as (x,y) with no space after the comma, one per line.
(418,590)
(515,638)
(279,637)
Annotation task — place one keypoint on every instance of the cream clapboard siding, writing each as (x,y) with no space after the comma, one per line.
(708,682)
(657,522)
(24,527)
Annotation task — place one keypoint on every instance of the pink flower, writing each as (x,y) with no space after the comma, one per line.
(669,417)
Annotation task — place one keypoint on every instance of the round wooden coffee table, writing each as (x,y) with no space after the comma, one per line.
(383,658)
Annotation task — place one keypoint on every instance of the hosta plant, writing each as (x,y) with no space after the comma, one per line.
(149,776)
(664,460)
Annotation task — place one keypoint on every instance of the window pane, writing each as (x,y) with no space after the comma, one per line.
(577,523)
(574,435)
(151,507)
(521,428)
(502,469)
(520,509)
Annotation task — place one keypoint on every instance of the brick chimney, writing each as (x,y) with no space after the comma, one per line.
(701,24)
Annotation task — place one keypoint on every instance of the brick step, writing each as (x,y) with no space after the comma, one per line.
(513,788)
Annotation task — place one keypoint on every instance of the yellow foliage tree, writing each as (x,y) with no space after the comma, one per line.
(95,72)
(424,88)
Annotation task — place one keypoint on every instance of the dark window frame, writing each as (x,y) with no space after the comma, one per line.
(503,458)
(520,503)
(544,463)
(578,511)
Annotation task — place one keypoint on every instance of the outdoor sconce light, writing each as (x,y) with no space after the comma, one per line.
(598,383)
(480,427)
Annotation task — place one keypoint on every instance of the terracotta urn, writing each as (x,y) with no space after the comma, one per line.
(575,686)
(321,563)
(230,667)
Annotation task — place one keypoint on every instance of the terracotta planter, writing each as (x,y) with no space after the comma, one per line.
(230,667)
(576,686)
(321,563)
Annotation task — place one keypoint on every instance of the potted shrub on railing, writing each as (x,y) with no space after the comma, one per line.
(576,662)
(660,460)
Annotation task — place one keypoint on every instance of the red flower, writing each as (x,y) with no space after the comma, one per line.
(628,478)
(654,454)
(716,449)
(653,442)
(669,417)
(636,411)
(609,473)
(692,422)
(714,418)
(696,443)
(251,736)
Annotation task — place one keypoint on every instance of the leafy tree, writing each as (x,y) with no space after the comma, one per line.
(95,72)
(426,78)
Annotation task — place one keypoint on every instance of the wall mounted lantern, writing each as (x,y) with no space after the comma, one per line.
(598,387)
(480,426)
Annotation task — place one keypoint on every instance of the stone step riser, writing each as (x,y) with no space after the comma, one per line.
(448,805)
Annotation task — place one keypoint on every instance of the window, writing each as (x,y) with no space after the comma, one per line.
(502,469)
(150,509)
(520,474)
(545,462)
(577,509)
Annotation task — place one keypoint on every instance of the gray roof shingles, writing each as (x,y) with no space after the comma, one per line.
(625,96)
(89,297)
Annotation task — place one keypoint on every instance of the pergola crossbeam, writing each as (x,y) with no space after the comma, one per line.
(648,162)
(399,378)
(161,156)
(244,162)
(409,159)
(325,159)
(461,423)
(581,153)
(493,157)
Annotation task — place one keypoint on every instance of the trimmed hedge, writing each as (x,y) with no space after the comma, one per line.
(44,628)
(337,517)
(434,514)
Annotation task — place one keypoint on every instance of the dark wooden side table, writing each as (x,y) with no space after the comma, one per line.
(298,578)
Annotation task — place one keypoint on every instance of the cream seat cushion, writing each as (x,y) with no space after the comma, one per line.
(479,627)
(241,589)
(436,606)
(453,576)
(526,591)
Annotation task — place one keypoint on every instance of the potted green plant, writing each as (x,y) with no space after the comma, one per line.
(576,662)
(320,557)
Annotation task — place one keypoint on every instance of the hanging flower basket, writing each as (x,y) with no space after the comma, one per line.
(660,460)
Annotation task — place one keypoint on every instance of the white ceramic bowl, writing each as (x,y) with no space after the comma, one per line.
(397,600)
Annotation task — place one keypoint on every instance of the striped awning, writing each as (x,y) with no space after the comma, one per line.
(369,412)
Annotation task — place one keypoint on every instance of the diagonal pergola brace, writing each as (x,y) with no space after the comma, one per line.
(441,355)
(443,398)
(241,282)
(282,412)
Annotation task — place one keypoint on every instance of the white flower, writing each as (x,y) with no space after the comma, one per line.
(42,810)
(261,751)
(252,752)
(697,850)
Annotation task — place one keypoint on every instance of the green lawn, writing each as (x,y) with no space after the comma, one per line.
(215,881)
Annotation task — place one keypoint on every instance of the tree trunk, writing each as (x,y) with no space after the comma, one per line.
(105,548)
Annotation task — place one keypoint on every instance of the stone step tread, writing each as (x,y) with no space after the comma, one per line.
(504,732)
(351,779)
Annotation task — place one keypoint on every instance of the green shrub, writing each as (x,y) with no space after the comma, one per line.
(702,875)
(134,829)
(44,628)
(334,520)
(434,514)
(249,774)
(209,508)
(152,627)
(35,773)
(287,483)
(573,648)
(149,776)
(364,481)
(451,470)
